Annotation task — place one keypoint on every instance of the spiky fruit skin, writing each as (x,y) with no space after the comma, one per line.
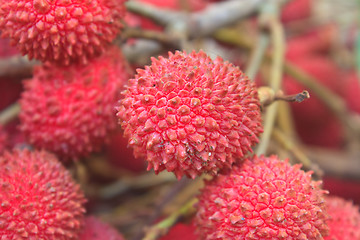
(70,110)
(39,199)
(344,222)
(190,114)
(94,229)
(264,198)
(181,231)
(61,31)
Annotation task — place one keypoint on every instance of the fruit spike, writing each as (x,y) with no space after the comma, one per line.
(61,31)
(38,198)
(190,114)
(263,198)
(70,110)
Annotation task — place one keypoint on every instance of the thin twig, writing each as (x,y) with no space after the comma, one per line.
(257,56)
(202,23)
(16,66)
(268,96)
(144,181)
(161,228)
(278,41)
(291,146)
(10,113)
(160,37)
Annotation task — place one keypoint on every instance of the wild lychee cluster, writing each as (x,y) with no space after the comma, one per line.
(186,113)
(190,114)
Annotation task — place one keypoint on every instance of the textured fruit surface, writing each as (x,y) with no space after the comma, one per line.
(39,199)
(70,110)
(94,229)
(344,222)
(263,198)
(61,31)
(190,114)
(181,232)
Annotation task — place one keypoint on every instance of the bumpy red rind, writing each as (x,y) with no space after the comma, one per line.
(38,198)
(264,198)
(190,114)
(71,110)
(61,31)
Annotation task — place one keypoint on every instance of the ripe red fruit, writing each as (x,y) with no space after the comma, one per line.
(263,198)
(344,222)
(70,110)
(61,31)
(181,231)
(39,199)
(94,229)
(190,114)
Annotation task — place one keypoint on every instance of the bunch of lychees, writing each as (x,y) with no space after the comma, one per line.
(185,112)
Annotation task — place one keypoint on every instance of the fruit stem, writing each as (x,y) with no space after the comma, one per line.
(270,16)
(16,66)
(161,228)
(9,113)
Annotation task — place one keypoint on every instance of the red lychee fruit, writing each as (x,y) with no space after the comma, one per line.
(344,222)
(71,110)
(190,114)
(61,31)
(94,229)
(263,198)
(39,199)
(181,231)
